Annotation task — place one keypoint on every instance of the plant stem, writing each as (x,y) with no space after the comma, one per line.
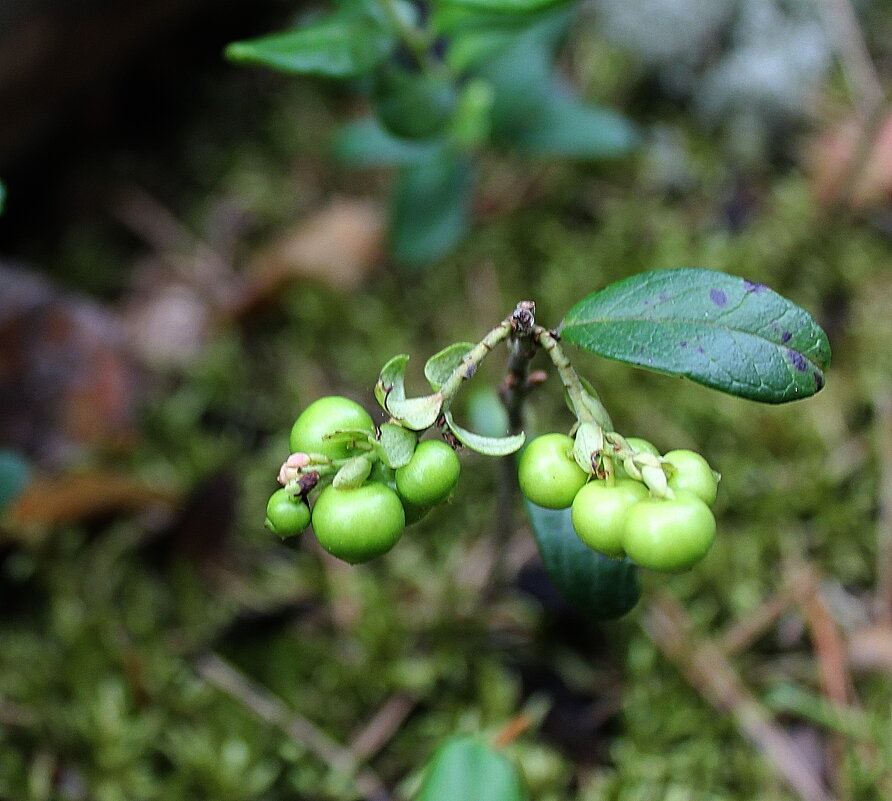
(472,359)
(587,408)
(413,38)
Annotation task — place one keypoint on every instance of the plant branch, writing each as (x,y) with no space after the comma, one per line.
(587,408)
(472,360)
(220,674)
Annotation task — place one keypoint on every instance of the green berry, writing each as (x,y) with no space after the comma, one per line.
(357,525)
(286,515)
(599,513)
(693,474)
(325,416)
(430,475)
(548,473)
(669,535)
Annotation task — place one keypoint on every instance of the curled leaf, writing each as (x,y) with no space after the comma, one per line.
(442,365)
(489,446)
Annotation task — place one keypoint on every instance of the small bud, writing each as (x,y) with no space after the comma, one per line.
(292,466)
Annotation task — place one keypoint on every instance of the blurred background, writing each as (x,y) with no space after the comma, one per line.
(184,266)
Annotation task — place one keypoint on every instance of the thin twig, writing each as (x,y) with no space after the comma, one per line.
(739,636)
(709,671)
(382,726)
(883,603)
(836,684)
(272,710)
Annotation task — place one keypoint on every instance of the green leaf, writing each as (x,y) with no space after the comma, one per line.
(346,44)
(561,125)
(391,380)
(15,473)
(397,445)
(365,143)
(442,365)
(431,209)
(504,6)
(489,446)
(352,473)
(539,115)
(416,413)
(467,769)
(390,391)
(2,196)
(719,330)
(599,587)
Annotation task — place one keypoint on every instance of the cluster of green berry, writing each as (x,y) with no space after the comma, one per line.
(651,508)
(361,514)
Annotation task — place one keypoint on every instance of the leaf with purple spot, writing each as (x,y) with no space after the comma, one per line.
(722,331)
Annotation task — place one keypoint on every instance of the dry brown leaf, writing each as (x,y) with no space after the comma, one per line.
(66,383)
(340,245)
(49,502)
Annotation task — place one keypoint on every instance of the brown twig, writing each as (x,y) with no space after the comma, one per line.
(883,595)
(739,636)
(382,726)
(220,674)
(707,669)
(836,684)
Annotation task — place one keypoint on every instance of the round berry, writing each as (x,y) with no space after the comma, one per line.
(548,473)
(430,475)
(599,513)
(357,525)
(285,514)
(693,474)
(670,535)
(325,416)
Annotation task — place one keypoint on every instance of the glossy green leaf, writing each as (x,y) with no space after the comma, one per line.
(442,365)
(719,330)
(352,473)
(365,143)
(15,473)
(397,445)
(598,587)
(345,44)
(489,446)
(431,209)
(467,769)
